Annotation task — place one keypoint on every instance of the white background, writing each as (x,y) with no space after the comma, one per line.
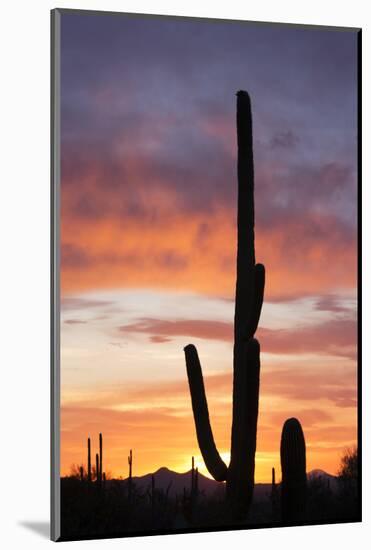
(24,256)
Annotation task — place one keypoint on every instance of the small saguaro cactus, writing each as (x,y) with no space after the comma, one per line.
(294,477)
(194,489)
(274,496)
(130,462)
(97,468)
(130,484)
(100,458)
(239,475)
(89,460)
(194,480)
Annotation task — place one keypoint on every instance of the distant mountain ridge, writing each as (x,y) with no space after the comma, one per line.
(321,474)
(175,482)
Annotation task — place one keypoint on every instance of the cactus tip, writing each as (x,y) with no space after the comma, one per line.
(190,348)
(292,422)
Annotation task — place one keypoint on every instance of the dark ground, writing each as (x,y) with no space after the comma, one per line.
(88,510)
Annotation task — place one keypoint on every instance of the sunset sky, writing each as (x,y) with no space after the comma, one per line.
(148,234)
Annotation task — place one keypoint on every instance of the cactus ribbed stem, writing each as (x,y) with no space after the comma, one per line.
(241,471)
(294,478)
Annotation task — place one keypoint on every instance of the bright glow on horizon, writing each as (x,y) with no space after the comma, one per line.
(135,391)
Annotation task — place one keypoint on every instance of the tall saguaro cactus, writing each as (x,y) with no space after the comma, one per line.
(239,475)
(294,477)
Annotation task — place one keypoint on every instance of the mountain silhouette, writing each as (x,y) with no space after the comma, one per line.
(176,482)
(319,474)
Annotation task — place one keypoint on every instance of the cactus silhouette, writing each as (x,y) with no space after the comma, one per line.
(97,468)
(239,475)
(194,478)
(274,496)
(89,460)
(193,494)
(294,478)
(130,484)
(130,462)
(100,458)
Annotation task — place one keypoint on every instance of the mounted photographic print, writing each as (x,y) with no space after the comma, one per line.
(205,335)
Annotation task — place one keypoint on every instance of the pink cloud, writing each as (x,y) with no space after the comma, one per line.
(335,337)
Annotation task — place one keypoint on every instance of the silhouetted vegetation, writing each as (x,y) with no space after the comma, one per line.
(90,510)
(239,475)
(348,480)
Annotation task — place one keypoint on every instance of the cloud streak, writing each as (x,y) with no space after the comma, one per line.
(198,253)
(334,337)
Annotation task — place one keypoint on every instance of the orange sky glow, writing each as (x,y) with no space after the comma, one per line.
(308,355)
(148,236)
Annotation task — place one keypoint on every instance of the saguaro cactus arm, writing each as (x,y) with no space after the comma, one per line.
(213,461)
(257,300)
